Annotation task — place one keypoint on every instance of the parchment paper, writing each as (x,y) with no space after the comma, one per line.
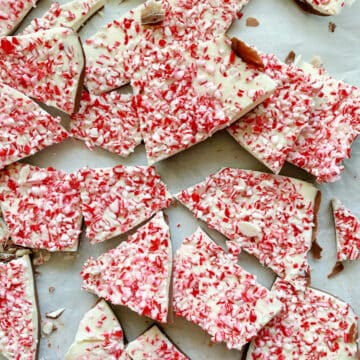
(283,27)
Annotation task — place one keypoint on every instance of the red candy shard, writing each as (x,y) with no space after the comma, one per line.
(193,92)
(115,200)
(137,273)
(47,66)
(123,47)
(72,15)
(214,292)
(12,13)
(347,227)
(334,125)
(41,207)
(270,131)
(18,310)
(25,128)
(99,334)
(109,121)
(153,344)
(269,216)
(312,325)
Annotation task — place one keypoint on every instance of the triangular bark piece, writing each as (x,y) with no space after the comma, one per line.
(41,207)
(269,216)
(99,336)
(312,325)
(115,200)
(47,66)
(214,292)
(153,344)
(109,121)
(137,273)
(19,327)
(25,128)
(72,15)
(347,227)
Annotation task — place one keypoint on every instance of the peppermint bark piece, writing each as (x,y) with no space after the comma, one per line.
(25,128)
(193,92)
(347,227)
(327,7)
(115,200)
(123,47)
(18,310)
(99,336)
(312,325)
(270,131)
(137,273)
(41,207)
(214,292)
(109,121)
(72,15)
(12,13)
(271,217)
(47,66)
(153,344)
(334,125)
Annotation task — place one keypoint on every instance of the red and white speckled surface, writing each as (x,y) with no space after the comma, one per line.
(12,13)
(18,309)
(73,14)
(137,273)
(268,216)
(25,128)
(282,28)
(347,228)
(214,292)
(109,121)
(115,200)
(153,345)
(271,130)
(41,207)
(334,125)
(46,66)
(312,325)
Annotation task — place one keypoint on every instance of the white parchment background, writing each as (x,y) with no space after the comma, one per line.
(283,27)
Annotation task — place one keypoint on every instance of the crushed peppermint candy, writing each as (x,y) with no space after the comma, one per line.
(269,216)
(269,132)
(193,92)
(214,292)
(123,47)
(47,66)
(312,325)
(153,344)
(12,12)
(41,207)
(25,128)
(137,273)
(347,227)
(99,334)
(109,121)
(18,310)
(334,125)
(72,15)
(115,200)
(327,7)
